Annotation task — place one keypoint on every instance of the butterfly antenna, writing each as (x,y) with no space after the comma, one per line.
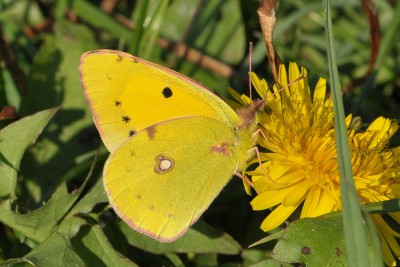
(250,70)
(259,105)
(281,88)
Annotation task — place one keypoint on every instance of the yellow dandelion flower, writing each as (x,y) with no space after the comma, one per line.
(301,161)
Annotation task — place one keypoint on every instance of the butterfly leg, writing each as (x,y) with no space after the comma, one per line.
(259,157)
(246,182)
(243,177)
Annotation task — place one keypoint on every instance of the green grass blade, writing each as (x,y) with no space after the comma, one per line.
(137,34)
(354,229)
(98,18)
(392,205)
(148,41)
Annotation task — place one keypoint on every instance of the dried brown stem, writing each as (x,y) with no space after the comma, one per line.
(266,14)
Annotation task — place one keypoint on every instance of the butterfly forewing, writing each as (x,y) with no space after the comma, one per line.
(128,94)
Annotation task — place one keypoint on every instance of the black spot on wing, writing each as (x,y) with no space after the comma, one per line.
(118,103)
(126,119)
(131,133)
(167,92)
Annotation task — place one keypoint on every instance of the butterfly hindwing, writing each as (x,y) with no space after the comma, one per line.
(158,185)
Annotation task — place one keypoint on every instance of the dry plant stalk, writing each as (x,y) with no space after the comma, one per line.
(266,14)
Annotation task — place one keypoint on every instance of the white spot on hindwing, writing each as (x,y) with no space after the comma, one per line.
(163,164)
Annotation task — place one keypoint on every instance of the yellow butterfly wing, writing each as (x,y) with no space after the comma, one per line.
(161,180)
(127,94)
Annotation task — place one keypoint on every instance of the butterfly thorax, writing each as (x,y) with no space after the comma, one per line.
(245,133)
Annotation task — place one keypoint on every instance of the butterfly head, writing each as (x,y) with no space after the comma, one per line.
(248,114)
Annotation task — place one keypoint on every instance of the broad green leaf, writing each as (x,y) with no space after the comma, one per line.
(206,259)
(254,255)
(72,222)
(54,79)
(201,238)
(14,139)
(16,262)
(313,242)
(39,223)
(271,263)
(93,247)
(56,251)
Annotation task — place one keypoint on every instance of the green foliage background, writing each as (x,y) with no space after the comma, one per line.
(53,209)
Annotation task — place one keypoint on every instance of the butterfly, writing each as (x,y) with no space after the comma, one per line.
(173,143)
